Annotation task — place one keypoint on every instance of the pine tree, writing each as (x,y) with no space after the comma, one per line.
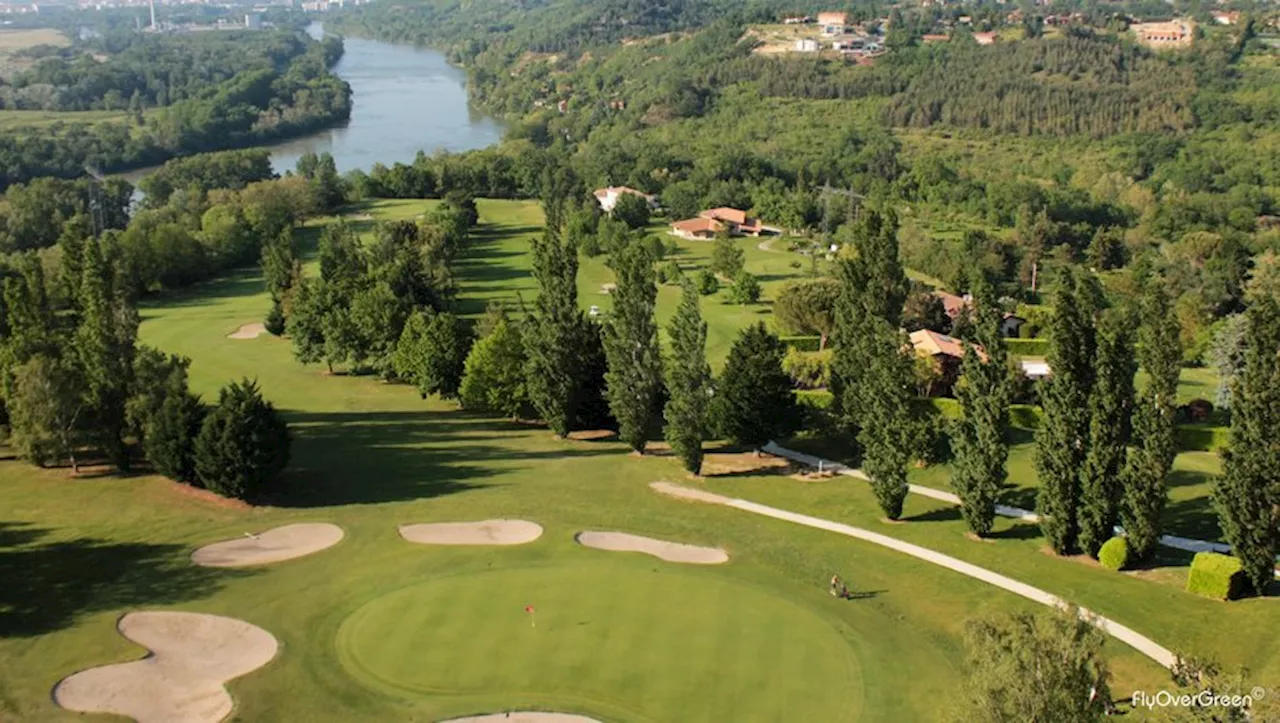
(553,333)
(305,325)
(493,377)
(243,444)
(1146,486)
(981,451)
(104,350)
(1110,407)
(753,401)
(634,373)
(886,423)
(688,381)
(1062,437)
(1247,495)
(431,353)
(170,442)
(278,263)
(727,259)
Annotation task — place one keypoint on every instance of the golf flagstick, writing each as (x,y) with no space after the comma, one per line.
(533,619)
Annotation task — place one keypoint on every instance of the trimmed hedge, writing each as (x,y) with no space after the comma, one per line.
(1114,554)
(1216,576)
(1028,347)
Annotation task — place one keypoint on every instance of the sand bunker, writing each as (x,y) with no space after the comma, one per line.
(524,717)
(485,532)
(248,331)
(274,545)
(669,551)
(192,656)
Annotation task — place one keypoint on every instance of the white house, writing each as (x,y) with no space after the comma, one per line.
(608,197)
(806,45)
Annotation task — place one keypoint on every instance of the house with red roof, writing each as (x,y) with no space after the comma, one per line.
(738,222)
(700,229)
(945,352)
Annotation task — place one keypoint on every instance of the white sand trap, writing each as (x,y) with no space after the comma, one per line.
(661,549)
(248,331)
(524,717)
(274,545)
(192,656)
(485,532)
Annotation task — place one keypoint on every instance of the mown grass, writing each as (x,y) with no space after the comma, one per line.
(76,553)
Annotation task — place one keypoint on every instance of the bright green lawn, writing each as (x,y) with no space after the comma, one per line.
(75,554)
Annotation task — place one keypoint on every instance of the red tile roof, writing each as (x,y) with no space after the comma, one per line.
(694,225)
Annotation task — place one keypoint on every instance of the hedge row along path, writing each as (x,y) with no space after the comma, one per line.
(1139,642)
(1180,543)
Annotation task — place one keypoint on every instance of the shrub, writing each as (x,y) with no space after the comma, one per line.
(1114,553)
(243,444)
(808,369)
(1220,577)
(670,273)
(707,283)
(745,289)
(274,322)
(170,441)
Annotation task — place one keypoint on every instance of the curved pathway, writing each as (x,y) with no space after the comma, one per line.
(1139,642)
(1180,543)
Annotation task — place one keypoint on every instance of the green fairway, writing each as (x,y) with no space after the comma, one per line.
(626,639)
(379,629)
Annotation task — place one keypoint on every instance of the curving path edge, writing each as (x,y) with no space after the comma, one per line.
(1129,636)
(1186,544)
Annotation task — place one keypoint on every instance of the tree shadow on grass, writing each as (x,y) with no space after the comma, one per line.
(1195,518)
(949,513)
(369,458)
(50,584)
(1020,497)
(1016,531)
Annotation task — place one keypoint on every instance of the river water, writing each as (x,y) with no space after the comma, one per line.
(404,99)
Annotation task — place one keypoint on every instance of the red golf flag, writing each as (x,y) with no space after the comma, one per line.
(528,608)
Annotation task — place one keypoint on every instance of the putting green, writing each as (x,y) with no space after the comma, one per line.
(624,642)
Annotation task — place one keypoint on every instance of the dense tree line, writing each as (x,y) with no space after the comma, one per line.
(265,99)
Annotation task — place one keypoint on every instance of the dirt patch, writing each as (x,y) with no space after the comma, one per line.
(738,463)
(813,476)
(523,717)
(688,493)
(592,435)
(208,497)
(192,657)
(661,549)
(275,545)
(484,532)
(248,331)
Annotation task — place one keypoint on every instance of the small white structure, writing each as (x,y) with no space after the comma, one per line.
(806,45)
(608,197)
(253,21)
(1034,369)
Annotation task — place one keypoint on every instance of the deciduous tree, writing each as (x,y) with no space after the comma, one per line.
(634,374)
(808,307)
(688,381)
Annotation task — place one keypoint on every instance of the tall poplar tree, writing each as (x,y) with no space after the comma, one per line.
(1146,486)
(554,333)
(887,423)
(1110,406)
(1247,494)
(634,373)
(104,349)
(688,381)
(981,450)
(1064,433)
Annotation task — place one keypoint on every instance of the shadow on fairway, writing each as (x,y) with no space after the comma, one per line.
(940,514)
(48,585)
(367,458)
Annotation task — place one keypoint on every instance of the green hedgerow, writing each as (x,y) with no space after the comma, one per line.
(1114,553)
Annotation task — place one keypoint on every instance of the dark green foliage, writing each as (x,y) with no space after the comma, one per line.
(555,335)
(279,264)
(980,449)
(243,444)
(707,283)
(1061,440)
(1216,576)
(808,307)
(305,324)
(205,172)
(632,210)
(104,348)
(670,273)
(171,436)
(1042,666)
(47,410)
(431,353)
(1114,553)
(924,310)
(727,258)
(753,401)
(688,381)
(1247,495)
(1110,406)
(1146,486)
(634,373)
(156,377)
(274,322)
(493,375)
(887,429)
(745,289)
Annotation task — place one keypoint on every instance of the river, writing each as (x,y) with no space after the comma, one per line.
(404,99)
